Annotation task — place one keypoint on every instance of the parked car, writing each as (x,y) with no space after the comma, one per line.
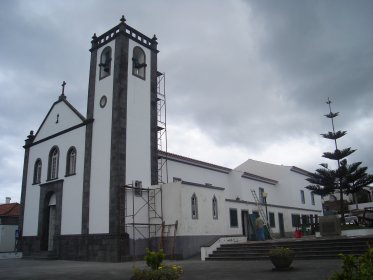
(368,216)
(351,219)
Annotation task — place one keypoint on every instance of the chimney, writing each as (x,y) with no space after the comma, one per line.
(7,200)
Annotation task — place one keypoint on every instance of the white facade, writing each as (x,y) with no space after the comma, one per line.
(232,189)
(116,146)
(73,185)
(7,237)
(101,150)
(138,124)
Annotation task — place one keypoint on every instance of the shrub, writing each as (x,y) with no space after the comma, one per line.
(157,271)
(281,252)
(356,268)
(163,273)
(154,259)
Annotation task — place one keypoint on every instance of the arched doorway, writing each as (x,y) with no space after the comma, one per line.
(52,221)
(49,222)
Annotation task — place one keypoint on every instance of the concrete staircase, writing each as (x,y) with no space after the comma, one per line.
(304,248)
(42,255)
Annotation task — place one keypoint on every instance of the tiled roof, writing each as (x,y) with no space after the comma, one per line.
(10,209)
(191,161)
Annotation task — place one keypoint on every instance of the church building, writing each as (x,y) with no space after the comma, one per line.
(100,187)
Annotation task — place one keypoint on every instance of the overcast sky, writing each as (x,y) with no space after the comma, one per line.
(244,79)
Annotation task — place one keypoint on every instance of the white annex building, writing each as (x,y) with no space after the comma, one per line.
(99,187)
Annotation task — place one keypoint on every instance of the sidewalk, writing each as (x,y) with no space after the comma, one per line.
(193,270)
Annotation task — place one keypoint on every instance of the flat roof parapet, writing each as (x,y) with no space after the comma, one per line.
(130,32)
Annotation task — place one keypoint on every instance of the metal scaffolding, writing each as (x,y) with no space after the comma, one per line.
(140,202)
(162,127)
(143,217)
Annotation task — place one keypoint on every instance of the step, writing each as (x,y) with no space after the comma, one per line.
(41,256)
(304,249)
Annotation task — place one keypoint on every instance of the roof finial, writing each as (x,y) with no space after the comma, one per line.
(122,19)
(62,96)
(63,87)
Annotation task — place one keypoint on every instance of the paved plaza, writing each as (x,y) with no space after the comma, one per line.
(193,269)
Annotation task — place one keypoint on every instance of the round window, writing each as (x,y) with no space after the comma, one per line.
(103,101)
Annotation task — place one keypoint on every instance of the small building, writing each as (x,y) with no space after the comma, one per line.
(9,219)
(99,187)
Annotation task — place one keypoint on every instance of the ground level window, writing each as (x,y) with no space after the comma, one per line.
(295,220)
(272,220)
(233,217)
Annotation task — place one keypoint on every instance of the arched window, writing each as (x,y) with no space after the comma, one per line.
(105,63)
(71,162)
(214,208)
(138,63)
(37,171)
(53,163)
(194,207)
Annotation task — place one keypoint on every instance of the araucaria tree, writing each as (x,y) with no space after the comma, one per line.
(346,178)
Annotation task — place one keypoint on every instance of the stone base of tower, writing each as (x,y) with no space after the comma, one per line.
(93,247)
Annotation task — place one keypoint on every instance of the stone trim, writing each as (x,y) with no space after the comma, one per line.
(251,176)
(68,104)
(26,159)
(129,32)
(46,190)
(153,119)
(207,186)
(193,162)
(118,136)
(273,205)
(61,132)
(301,171)
(88,143)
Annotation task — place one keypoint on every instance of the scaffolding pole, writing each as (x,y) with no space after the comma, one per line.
(162,127)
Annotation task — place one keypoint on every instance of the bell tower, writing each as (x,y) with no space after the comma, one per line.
(121,136)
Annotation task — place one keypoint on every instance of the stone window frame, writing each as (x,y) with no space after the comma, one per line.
(139,63)
(53,163)
(37,171)
(71,157)
(312,198)
(105,62)
(194,206)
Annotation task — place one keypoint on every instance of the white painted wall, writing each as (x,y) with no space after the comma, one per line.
(101,146)
(65,120)
(195,174)
(285,192)
(138,123)
(7,238)
(284,197)
(177,206)
(72,186)
(136,211)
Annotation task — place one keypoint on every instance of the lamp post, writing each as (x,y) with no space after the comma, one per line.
(265,195)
